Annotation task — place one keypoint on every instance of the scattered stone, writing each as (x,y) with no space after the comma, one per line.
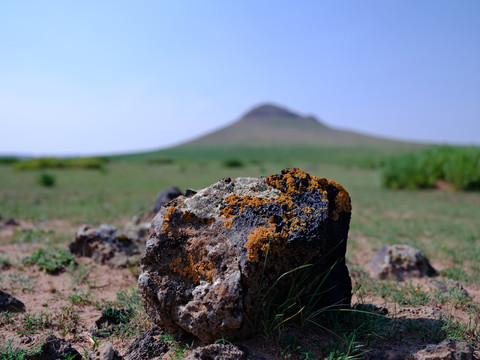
(451,286)
(105,351)
(53,348)
(218,351)
(12,222)
(148,345)
(106,245)
(446,350)
(10,303)
(401,262)
(165,196)
(215,260)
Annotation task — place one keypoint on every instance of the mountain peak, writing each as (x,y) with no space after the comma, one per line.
(270,111)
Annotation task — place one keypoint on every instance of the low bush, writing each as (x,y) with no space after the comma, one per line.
(231,163)
(46,180)
(8,160)
(458,166)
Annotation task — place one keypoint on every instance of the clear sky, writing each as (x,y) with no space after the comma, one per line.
(95,77)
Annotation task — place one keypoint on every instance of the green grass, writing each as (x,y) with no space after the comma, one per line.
(458,166)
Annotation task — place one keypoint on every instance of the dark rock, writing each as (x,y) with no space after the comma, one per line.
(401,262)
(106,245)
(218,352)
(446,350)
(148,345)
(217,260)
(53,348)
(10,303)
(12,222)
(165,196)
(105,351)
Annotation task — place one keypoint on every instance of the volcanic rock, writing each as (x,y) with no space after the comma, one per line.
(105,352)
(217,260)
(53,348)
(10,303)
(401,262)
(147,345)
(446,350)
(165,196)
(218,351)
(106,245)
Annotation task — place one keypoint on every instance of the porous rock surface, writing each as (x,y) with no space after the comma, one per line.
(220,352)
(106,245)
(148,345)
(215,259)
(52,348)
(401,262)
(446,350)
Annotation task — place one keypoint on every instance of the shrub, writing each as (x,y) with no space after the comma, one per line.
(459,166)
(8,160)
(230,163)
(47,180)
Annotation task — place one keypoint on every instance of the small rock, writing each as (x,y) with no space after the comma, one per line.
(12,222)
(148,345)
(164,197)
(401,262)
(105,352)
(10,303)
(452,286)
(53,348)
(446,350)
(218,352)
(106,245)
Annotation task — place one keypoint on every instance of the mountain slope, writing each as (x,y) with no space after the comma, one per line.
(269,124)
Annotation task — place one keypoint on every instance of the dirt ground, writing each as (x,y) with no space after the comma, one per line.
(48,294)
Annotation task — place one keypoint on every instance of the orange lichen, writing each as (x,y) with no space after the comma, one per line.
(227,223)
(241,202)
(168,218)
(189,217)
(193,271)
(259,239)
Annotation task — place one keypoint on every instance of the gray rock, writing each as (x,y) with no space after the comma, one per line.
(10,303)
(218,352)
(106,245)
(165,196)
(148,345)
(446,350)
(53,348)
(401,262)
(217,260)
(105,352)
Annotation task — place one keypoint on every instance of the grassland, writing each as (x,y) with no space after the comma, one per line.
(444,224)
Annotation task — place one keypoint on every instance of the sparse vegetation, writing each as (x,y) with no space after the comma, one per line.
(232,163)
(50,260)
(56,163)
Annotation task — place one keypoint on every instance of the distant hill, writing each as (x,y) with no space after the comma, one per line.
(270,133)
(269,124)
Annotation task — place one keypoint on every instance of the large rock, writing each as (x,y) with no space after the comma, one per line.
(215,260)
(165,196)
(446,350)
(106,245)
(401,262)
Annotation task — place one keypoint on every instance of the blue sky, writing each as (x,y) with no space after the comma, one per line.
(95,77)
